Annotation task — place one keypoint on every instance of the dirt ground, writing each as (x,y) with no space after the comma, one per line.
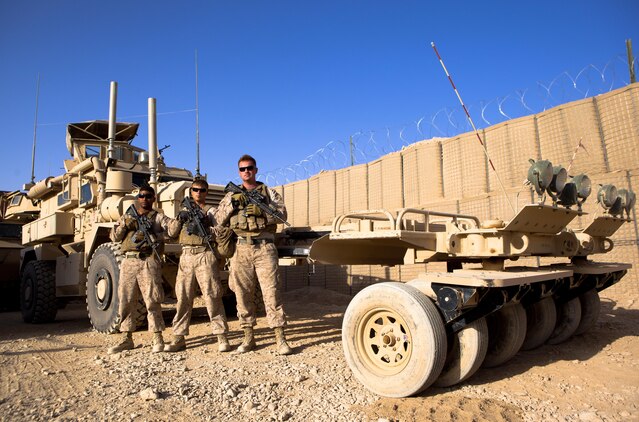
(60,371)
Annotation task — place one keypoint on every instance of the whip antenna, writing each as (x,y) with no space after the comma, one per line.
(197,124)
(35,128)
(432,44)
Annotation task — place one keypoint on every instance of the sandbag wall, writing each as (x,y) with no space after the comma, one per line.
(454,175)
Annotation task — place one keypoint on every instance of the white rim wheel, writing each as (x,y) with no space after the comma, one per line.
(394,339)
(590,308)
(568,318)
(541,319)
(467,351)
(506,334)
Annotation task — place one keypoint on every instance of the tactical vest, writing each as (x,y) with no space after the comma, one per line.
(128,245)
(244,225)
(193,239)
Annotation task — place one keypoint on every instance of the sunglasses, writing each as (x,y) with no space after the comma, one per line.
(247,168)
(199,189)
(147,196)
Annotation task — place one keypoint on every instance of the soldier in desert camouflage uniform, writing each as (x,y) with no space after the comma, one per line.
(141,270)
(255,258)
(198,263)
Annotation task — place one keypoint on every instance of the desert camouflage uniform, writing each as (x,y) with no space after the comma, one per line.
(198,264)
(255,259)
(141,272)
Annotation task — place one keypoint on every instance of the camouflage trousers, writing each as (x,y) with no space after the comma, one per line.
(201,267)
(249,265)
(140,276)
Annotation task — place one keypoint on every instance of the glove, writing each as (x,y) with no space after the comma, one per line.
(130,223)
(183,216)
(138,237)
(239,199)
(252,209)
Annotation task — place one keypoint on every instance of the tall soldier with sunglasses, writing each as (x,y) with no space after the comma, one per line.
(255,258)
(141,270)
(198,263)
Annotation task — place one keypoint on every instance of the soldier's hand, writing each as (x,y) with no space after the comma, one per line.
(130,223)
(239,199)
(252,209)
(183,216)
(138,237)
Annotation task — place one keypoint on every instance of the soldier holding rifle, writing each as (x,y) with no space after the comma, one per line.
(140,232)
(198,263)
(253,211)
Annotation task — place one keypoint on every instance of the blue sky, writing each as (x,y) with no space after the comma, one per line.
(279,79)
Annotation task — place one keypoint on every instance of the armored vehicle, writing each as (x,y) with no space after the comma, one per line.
(438,329)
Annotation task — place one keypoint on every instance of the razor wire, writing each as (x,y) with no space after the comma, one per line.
(366,146)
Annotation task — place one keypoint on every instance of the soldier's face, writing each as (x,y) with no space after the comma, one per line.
(247,171)
(145,200)
(198,193)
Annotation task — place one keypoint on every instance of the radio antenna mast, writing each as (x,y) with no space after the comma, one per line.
(197,124)
(35,129)
(432,44)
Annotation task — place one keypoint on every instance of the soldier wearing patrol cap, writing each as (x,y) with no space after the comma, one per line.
(141,270)
(198,263)
(255,258)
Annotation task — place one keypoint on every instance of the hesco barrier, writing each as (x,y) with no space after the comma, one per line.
(453,175)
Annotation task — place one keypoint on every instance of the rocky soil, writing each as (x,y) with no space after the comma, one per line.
(60,371)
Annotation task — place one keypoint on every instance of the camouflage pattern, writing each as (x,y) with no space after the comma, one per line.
(250,264)
(142,274)
(201,267)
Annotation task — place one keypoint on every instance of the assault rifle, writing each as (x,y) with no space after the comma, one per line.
(145,226)
(254,197)
(196,221)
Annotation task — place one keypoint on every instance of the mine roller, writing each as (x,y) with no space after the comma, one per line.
(440,328)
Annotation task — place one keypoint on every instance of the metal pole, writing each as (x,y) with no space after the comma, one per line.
(631,61)
(197,124)
(112,112)
(350,143)
(35,128)
(153,144)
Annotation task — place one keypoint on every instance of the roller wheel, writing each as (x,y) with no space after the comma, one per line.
(37,292)
(590,306)
(506,334)
(394,339)
(102,289)
(568,318)
(541,319)
(466,351)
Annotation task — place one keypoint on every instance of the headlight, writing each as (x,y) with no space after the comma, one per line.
(628,199)
(584,186)
(540,175)
(607,196)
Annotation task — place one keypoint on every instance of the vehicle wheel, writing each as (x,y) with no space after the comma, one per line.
(506,334)
(568,318)
(394,339)
(541,319)
(102,290)
(467,350)
(37,292)
(590,306)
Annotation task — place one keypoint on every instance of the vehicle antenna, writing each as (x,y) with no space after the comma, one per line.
(473,126)
(197,124)
(35,128)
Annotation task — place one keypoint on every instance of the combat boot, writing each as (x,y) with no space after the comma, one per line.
(223,343)
(158,342)
(249,341)
(280,341)
(177,345)
(125,344)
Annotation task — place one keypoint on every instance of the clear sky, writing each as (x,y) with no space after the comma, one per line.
(278,79)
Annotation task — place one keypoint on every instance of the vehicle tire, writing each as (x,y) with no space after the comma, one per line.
(590,307)
(466,351)
(102,290)
(506,334)
(568,318)
(37,292)
(394,339)
(541,319)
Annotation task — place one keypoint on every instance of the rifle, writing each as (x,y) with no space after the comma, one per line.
(254,197)
(196,218)
(146,227)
